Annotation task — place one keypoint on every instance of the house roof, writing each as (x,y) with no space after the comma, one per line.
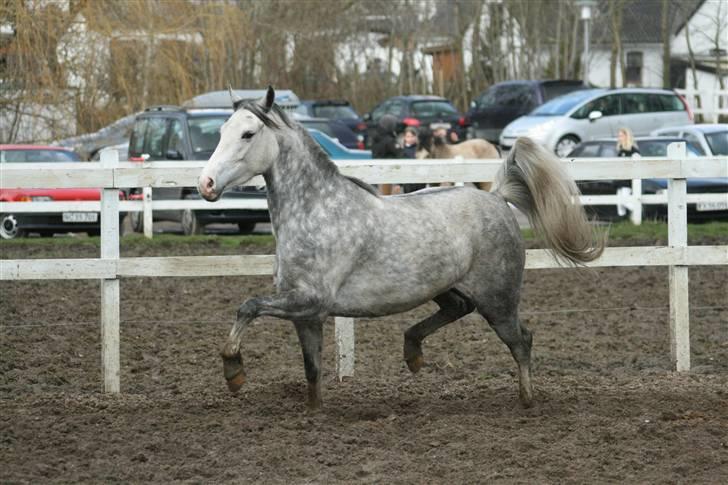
(641,20)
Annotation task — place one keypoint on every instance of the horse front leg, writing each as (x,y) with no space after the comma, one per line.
(290,305)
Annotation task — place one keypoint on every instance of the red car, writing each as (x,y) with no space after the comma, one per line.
(46,224)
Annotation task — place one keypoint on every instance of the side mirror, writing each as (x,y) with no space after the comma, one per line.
(174,155)
(595,115)
(367,117)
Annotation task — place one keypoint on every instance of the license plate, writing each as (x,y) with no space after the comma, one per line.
(80,216)
(712,206)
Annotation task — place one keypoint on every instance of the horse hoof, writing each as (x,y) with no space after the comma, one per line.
(526,401)
(236,382)
(415,364)
(233,371)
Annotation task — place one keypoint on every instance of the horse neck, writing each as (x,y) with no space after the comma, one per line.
(301,175)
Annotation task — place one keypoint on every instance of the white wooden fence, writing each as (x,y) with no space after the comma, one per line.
(713,103)
(111,175)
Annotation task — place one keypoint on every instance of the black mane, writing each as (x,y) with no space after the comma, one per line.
(264,115)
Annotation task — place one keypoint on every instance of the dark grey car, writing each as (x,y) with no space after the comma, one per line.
(168,133)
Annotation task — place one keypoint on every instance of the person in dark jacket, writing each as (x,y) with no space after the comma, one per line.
(384,145)
(409,150)
(626,146)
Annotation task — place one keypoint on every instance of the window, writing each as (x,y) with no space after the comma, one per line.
(590,150)
(339,112)
(136,143)
(205,133)
(608,105)
(394,108)
(633,103)
(433,108)
(634,69)
(37,156)
(176,137)
(155,137)
(671,102)
(718,142)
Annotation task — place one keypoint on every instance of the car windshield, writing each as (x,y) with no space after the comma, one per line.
(37,156)
(336,112)
(205,132)
(563,104)
(718,142)
(433,108)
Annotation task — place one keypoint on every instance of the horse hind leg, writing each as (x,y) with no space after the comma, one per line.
(453,305)
(519,341)
(310,335)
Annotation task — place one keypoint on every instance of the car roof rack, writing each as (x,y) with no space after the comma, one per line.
(164,107)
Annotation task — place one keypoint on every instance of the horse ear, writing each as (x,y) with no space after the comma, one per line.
(234,99)
(270,97)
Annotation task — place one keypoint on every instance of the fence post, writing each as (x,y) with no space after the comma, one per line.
(636,214)
(677,222)
(344,336)
(147,220)
(110,287)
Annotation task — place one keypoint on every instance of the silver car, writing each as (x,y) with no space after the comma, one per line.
(564,122)
(711,138)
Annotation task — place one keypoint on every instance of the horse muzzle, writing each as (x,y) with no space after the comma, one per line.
(206,186)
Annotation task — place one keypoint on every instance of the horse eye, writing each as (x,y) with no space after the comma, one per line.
(248,135)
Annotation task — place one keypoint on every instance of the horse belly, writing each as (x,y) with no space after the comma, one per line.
(387,284)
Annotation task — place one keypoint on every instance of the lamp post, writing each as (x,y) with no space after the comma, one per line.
(586,13)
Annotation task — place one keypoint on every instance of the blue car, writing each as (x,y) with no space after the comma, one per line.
(337,151)
(335,109)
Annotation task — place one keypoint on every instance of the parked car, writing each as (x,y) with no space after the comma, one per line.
(418,110)
(89,145)
(335,150)
(333,128)
(651,147)
(46,224)
(122,148)
(711,138)
(335,109)
(168,133)
(503,102)
(588,114)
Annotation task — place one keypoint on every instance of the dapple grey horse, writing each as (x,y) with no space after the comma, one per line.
(343,250)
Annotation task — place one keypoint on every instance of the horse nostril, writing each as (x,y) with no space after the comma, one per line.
(207,184)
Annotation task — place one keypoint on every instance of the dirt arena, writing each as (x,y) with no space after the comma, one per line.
(608,408)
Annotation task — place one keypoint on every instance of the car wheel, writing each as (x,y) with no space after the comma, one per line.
(190,224)
(136,221)
(9,227)
(565,145)
(246,227)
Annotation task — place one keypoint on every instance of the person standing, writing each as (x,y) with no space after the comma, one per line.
(409,150)
(384,145)
(626,146)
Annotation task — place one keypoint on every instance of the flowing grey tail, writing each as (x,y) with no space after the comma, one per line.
(533,180)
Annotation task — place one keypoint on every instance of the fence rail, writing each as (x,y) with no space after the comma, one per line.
(111,175)
(713,104)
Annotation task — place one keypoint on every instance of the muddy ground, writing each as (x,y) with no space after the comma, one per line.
(608,408)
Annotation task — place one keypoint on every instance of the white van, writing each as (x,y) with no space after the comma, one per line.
(564,122)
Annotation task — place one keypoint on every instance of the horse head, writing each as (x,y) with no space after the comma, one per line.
(247,147)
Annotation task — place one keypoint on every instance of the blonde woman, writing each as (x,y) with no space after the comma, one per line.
(626,146)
